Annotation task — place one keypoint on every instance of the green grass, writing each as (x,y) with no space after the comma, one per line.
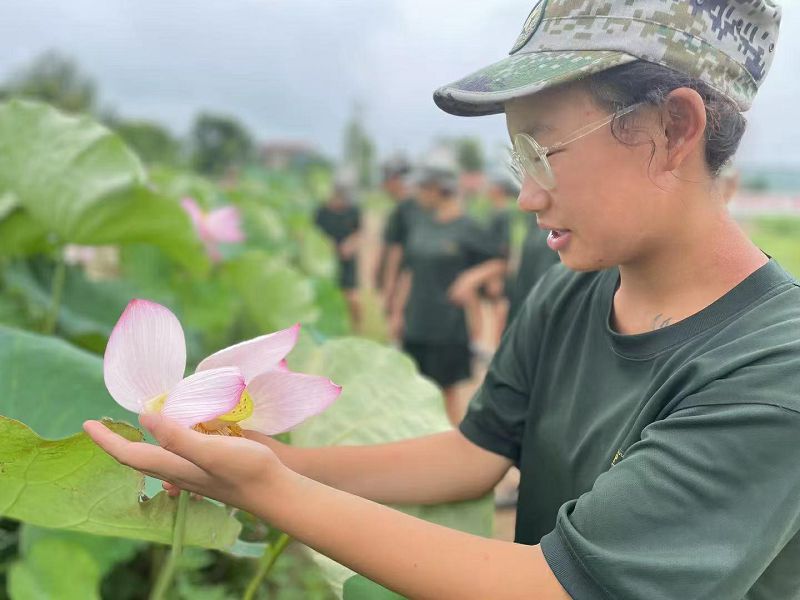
(780,238)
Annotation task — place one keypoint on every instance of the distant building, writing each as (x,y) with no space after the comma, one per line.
(282,156)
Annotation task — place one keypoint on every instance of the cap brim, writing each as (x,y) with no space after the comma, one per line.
(486,91)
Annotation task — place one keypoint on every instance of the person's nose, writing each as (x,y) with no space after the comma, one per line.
(533,197)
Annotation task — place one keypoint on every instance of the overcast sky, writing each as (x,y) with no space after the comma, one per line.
(292,69)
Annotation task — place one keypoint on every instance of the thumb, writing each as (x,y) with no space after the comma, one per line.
(180,440)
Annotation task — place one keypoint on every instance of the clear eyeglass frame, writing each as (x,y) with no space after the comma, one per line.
(529,157)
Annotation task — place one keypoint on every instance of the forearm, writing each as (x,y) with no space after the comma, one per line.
(415,558)
(444,467)
(485,271)
(402,291)
(394,256)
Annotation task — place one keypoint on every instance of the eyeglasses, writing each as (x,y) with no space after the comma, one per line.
(529,157)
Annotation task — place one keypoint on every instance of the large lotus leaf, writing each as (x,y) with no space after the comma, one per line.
(88,309)
(107,552)
(73,484)
(263,226)
(383,399)
(177,184)
(51,385)
(41,573)
(43,553)
(22,235)
(273,294)
(334,318)
(317,256)
(81,182)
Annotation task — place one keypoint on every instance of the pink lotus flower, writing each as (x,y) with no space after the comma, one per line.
(221,225)
(245,386)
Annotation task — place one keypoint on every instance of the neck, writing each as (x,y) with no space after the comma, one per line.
(448,209)
(686,273)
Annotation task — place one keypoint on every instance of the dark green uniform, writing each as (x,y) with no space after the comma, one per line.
(398,224)
(435,331)
(536,258)
(700,420)
(500,230)
(339,225)
(400,221)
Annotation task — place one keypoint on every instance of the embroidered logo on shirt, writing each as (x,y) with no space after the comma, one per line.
(617,457)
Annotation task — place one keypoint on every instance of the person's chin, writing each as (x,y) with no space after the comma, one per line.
(574,261)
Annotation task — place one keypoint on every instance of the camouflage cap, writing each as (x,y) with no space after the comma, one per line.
(728,44)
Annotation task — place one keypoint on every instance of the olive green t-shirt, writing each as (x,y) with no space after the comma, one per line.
(400,221)
(436,254)
(536,257)
(338,224)
(658,465)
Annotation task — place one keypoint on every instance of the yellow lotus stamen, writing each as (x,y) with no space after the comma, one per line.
(154,405)
(241,411)
(216,427)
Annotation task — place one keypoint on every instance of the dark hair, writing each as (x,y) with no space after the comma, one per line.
(650,83)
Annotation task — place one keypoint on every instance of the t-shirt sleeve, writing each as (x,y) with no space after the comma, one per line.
(496,417)
(479,245)
(500,229)
(698,507)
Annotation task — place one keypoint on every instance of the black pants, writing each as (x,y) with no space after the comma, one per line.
(446,364)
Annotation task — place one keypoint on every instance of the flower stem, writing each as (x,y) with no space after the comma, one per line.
(167,574)
(55,296)
(268,559)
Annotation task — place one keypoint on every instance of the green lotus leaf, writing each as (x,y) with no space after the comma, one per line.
(80,181)
(71,483)
(273,294)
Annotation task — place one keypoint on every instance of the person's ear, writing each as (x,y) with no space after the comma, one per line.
(684,123)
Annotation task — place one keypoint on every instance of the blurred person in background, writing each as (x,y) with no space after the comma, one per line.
(534,260)
(648,390)
(340,219)
(502,192)
(447,258)
(405,212)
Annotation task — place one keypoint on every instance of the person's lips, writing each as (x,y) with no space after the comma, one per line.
(558,239)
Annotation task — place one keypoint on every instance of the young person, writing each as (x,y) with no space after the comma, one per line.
(447,258)
(648,390)
(401,219)
(340,219)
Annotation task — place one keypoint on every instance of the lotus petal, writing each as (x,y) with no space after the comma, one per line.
(145,356)
(282,400)
(255,356)
(225,224)
(204,396)
(195,212)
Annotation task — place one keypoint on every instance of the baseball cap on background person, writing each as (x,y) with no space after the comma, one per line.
(344,183)
(396,166)
(728,44)
(505,180)
(438,167)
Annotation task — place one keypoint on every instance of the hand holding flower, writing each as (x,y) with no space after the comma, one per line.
(233,470)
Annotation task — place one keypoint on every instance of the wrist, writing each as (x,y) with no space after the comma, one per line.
(267,496)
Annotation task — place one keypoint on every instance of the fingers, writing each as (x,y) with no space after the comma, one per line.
(173,491)
(257,436)
(179,440)
(143,457)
